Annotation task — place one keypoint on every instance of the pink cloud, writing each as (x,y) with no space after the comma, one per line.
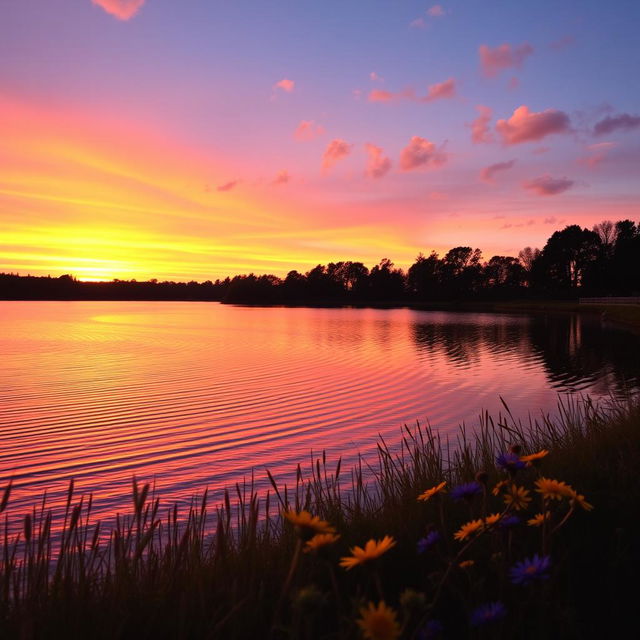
(121,9)
(513,83)
(418,23)
(562,43)
(436,11)
(487,173)
(377,163)
(285,84)
(227,186)
(547,186)
(438,91)
(599,153)
(446,89)
(336,150)
(308,130)
(282,177)
(525,125)
(550,220)
(374,77)
(420,152)
(493,61)
(480,126)
(623,122)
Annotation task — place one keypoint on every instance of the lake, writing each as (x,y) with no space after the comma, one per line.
(200,394)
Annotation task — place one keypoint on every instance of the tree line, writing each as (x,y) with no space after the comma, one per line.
(574,262)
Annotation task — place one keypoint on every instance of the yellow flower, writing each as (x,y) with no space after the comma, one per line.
(429,493)
(517,497)
(466,564)
(306,524)
(319,541)
(494,518)
(379,623)
(372,550)
(539,518)
(579,499)
(467,530)
(553,489)
(534,458)
(496,490)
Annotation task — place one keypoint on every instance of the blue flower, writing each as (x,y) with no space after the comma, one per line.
(466,491)
(489,612)
(431,630)
(510,462)
(509,521)
(429,540)
(530,569)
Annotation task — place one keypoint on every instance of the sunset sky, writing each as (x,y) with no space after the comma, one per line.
(197,139)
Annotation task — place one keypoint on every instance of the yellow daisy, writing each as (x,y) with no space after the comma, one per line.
(539,518)
(517,497)
(429,493)
(466,564)
(306,524)
(372,550)
(494,518)
(498,488)
(534,458)
(579,499)
(469,529)
(553,489)
(379,622)
(319,541)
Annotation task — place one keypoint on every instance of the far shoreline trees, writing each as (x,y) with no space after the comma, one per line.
(574,262)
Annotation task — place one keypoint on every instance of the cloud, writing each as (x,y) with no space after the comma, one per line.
(480,126)
(562,43)
(436,11)
(547,186)
(374,77)
(121,9)
(421,152)
(336,150)
(525,125)
(487,173)
(622,122)
(418,23)
(446,89)
(285,84)
(308,130)
(513,83)
(493,61)
(438,91)
(377,163)
(227,186)
(550,220)
(282,177)
(599,153)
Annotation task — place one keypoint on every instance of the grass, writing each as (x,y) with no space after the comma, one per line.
(235,570)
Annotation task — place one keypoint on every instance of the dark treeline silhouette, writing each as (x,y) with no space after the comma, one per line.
(574,262)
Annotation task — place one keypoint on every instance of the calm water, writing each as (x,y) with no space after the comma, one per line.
(196,394)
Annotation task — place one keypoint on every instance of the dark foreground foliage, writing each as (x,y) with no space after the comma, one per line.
(454,560)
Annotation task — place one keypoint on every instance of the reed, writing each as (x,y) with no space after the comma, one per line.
(232,570)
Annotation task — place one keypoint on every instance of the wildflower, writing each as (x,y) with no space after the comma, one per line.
(429,493)
(466,491)
(530,569)
(499,486)
(534,458)
(372,550)
(432,629)
(469,529)
(413,600)
(506,522)
(307,525)
(466,564)
(487,613)
(494,518)
(553,489)
(539,518)
(579,499)
(379,623)
(319,541)
(510,462)
(428,541)
(517,497)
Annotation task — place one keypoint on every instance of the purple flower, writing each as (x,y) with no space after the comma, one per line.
(510,462)
(530,569)
(509,521)
(466,491)
(429,540)
(431,630)
(489,612)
